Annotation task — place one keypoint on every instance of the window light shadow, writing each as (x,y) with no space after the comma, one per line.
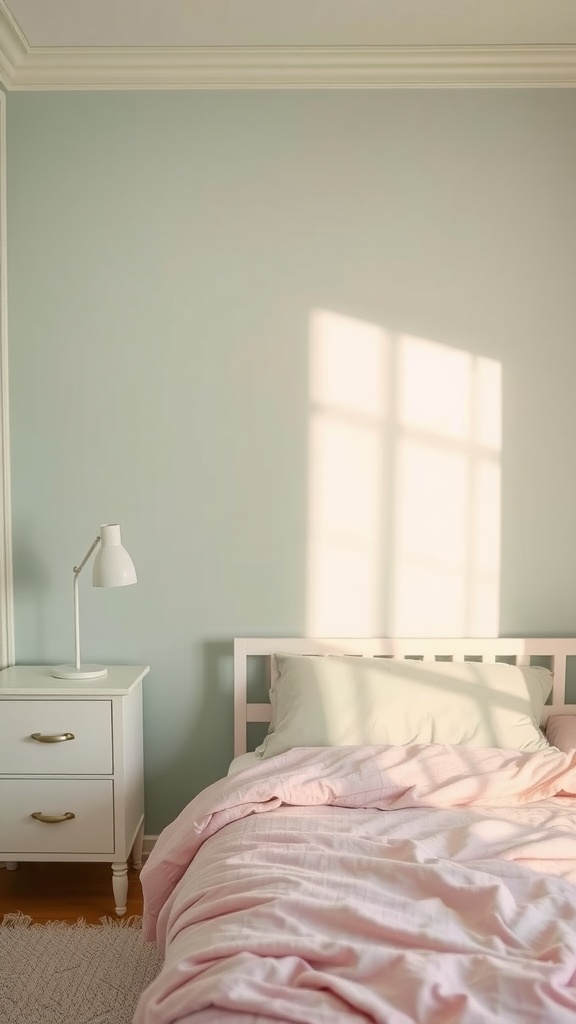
(404,484)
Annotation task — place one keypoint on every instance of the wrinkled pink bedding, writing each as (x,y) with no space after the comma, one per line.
(388,884)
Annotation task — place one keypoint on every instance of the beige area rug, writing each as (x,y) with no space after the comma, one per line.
(79,973)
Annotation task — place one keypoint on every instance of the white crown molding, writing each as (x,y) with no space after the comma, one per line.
(14,49)
(6,581)
(23,67)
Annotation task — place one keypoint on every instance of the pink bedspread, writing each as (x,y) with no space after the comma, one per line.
(389,884)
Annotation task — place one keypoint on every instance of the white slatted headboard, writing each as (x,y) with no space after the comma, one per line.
(518,650)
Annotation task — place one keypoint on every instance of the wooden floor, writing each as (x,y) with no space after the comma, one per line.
(64,892)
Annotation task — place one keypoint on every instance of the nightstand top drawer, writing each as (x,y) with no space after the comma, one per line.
(56,737)
(38,681)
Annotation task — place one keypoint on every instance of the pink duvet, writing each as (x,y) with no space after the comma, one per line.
(388,884)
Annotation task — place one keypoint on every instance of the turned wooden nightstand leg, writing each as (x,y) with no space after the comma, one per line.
(137,848)
(120,887)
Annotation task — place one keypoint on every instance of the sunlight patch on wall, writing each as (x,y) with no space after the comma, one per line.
(404,484)
(348,387)
(446,549)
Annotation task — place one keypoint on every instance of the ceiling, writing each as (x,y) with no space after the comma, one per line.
(71,44)
(293,22)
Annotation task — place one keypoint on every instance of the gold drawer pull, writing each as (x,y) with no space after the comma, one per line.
(58,738)
(52,819)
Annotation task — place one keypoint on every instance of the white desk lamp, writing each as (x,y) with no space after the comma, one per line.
(112,567)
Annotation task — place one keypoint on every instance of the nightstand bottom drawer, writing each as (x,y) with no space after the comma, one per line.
(90,830)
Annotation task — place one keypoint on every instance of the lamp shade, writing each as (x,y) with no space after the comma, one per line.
(112,566)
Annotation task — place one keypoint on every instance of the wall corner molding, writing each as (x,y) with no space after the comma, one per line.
(14,49)
(27,68)
(6,576)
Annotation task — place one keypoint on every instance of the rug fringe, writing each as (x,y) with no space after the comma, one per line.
(16,920)
(134,921)
(20,920)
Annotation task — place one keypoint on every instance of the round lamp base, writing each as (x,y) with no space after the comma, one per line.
(84,672)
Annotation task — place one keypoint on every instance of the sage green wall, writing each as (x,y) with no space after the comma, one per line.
(165,253)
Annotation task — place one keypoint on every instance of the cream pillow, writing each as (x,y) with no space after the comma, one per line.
(333,700)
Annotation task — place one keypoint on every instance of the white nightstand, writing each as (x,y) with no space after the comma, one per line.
(71,769)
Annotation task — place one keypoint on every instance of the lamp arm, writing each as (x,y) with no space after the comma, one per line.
(78,568)
(77,571)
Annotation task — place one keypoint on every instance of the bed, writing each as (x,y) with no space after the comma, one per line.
(400,848)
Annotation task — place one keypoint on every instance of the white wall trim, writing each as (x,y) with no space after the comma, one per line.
(23,67)
(6,580)
(148,846)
